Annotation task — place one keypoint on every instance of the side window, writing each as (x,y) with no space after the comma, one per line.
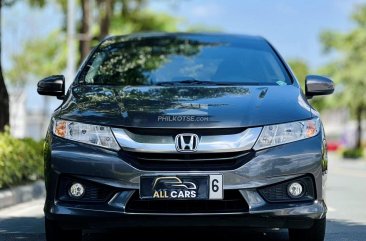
(93,69)
(273,69)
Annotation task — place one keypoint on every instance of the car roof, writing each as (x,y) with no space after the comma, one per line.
(212,36)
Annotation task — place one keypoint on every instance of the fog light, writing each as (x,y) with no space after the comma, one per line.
(295,190)
(77,190)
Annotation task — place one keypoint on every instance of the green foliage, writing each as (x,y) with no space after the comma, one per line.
(353,153)
(37,3)
(21,160)
(360,16)
(300,69)
(348,70)
(43,3)
(143,20)
(39,58)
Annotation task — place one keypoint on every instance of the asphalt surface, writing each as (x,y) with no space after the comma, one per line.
(346,199)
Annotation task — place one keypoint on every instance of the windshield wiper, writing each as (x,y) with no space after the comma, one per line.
(202,82)
(187,82)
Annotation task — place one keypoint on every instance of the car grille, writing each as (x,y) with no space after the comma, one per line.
(187,162)
(233,202)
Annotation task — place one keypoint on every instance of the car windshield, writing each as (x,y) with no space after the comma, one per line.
(185,61)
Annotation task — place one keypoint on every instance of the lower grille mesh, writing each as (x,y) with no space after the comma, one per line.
(233,202)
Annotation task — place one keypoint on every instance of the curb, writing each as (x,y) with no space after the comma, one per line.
(20,194)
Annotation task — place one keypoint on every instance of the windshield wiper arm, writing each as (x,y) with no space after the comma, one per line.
(203,82)
(187,82)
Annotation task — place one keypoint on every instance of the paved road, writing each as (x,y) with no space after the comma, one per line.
(346,200)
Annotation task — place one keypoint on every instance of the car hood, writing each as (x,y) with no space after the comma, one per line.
(184,106)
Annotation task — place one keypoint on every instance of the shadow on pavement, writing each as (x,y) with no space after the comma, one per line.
(345,231)
(22,228)
(184,234)
(336,231)
(31,229)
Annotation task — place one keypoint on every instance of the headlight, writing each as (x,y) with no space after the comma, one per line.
(274,135)
(85,133)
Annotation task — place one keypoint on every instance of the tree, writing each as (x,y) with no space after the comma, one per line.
(85,35)
(143,20)
(4,96)
(39,58)
(51,58)
(108,10)
(348,70)
(105,14)
(49,54)
(117,16)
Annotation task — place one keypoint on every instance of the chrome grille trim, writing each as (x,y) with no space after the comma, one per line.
(201,159)
(208,144)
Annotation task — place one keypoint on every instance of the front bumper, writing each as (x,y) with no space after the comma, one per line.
(299,216)
(267,167)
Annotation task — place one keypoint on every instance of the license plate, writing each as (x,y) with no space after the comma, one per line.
(181,187)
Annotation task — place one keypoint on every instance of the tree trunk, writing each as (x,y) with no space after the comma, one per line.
(84,44)
(4,103)
(105,20)
(359,127)
(4,96)
(125,9)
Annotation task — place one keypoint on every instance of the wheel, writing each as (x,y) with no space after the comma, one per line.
(315,233)
(55,233)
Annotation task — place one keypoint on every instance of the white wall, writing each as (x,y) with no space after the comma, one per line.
(27,122)
(18,113)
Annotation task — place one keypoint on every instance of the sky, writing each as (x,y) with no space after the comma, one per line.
(292,26)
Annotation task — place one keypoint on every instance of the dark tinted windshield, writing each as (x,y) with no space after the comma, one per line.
(185,60)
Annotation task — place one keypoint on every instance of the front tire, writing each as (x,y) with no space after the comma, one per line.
(55,233)
(315,233)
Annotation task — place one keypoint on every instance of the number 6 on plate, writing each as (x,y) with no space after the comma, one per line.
(215,187)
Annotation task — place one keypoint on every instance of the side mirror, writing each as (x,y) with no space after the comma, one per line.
(53,85)
(318,85)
